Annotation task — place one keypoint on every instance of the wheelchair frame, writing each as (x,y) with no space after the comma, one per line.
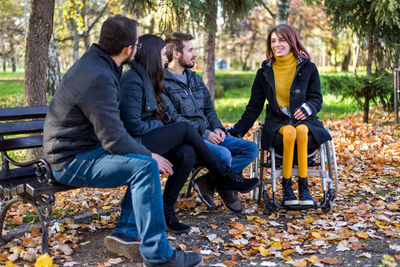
(329,176)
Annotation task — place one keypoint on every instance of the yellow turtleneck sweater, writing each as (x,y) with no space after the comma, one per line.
(284,70)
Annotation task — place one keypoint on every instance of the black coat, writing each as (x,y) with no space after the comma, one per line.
(306,88)
(84,114)
(138,101)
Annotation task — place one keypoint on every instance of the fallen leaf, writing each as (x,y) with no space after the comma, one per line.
(44,261)
(330,260)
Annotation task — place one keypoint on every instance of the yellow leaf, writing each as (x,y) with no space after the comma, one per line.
(106,207)
(259,220)
(309,220)
(381,226)
(288,258)
(362,235)
(263,251)
(288,251)
(315,235)
(10,264)
(44,261)
(250,218)
(278,245)
(388,258)
(314,259)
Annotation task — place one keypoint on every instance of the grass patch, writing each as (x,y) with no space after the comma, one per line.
(8,75)
(231,107)
(11,87)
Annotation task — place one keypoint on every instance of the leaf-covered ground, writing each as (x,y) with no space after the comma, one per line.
(362,229)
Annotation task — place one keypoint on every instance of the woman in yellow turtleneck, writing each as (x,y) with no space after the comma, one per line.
(290,82)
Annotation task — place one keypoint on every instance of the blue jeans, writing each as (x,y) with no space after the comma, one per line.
(142,208)
(234,152)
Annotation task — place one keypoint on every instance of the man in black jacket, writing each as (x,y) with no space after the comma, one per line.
(186,98)
(87,145)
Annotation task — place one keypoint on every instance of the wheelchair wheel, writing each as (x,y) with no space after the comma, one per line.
(328,206)
(269,205)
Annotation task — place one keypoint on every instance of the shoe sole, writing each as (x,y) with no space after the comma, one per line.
(306,203)
(291,203)
(128,249)
(208,205)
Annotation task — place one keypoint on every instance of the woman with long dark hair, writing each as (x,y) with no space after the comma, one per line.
(142,114)
(290,82)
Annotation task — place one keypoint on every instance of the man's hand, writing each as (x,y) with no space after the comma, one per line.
(214,138)
(163,164)
(299,115)
(220,133)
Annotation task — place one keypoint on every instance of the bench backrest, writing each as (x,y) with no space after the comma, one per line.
(21,128)
(17,123)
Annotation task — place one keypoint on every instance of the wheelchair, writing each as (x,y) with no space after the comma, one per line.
(321,163)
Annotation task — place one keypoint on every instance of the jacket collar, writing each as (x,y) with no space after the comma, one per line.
(170,76)
(268,63)
(96,50)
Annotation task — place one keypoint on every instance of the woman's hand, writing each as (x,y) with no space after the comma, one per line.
(164,165)
(299,115)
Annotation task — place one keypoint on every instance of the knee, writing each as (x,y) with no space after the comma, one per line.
(289,133)
(302,131)
(225,156)
(253,149)
(187,154)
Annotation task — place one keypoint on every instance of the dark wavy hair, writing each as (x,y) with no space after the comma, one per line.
(149,56)
(175,42)
(291,36)
(116,33)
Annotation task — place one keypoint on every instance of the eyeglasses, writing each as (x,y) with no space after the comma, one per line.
(138,45)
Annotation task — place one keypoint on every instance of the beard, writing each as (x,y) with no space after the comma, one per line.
(185,64)
(129,58)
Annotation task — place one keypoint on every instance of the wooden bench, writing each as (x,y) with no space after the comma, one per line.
(29,182)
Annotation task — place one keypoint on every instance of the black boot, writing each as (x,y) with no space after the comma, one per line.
(173,224)
(304,194)
(288,198)
(232,181)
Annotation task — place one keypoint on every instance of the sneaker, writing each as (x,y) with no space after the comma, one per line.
(231,200)
(179,259)
(173,223)
(232,181)
(304,193)
(205,190)
(288,199)
(124,244)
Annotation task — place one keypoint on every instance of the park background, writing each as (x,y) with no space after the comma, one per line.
(356,47)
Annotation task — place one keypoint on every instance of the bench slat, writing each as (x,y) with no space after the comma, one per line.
(23,113)
(35,188)
(16,174)
(24,127)
(21,143)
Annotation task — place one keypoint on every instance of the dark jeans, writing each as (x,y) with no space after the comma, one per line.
(181,144)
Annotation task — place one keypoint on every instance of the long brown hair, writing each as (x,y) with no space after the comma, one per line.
(291,36)
(149,56)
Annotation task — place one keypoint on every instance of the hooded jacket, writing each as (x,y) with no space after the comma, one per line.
(84,114)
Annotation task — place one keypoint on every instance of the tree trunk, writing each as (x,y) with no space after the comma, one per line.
(4,65)
(366,108)
(37,48)
(75,46)
(54,74)
(346,61)
(370,53)
(210,23)
(282,12)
